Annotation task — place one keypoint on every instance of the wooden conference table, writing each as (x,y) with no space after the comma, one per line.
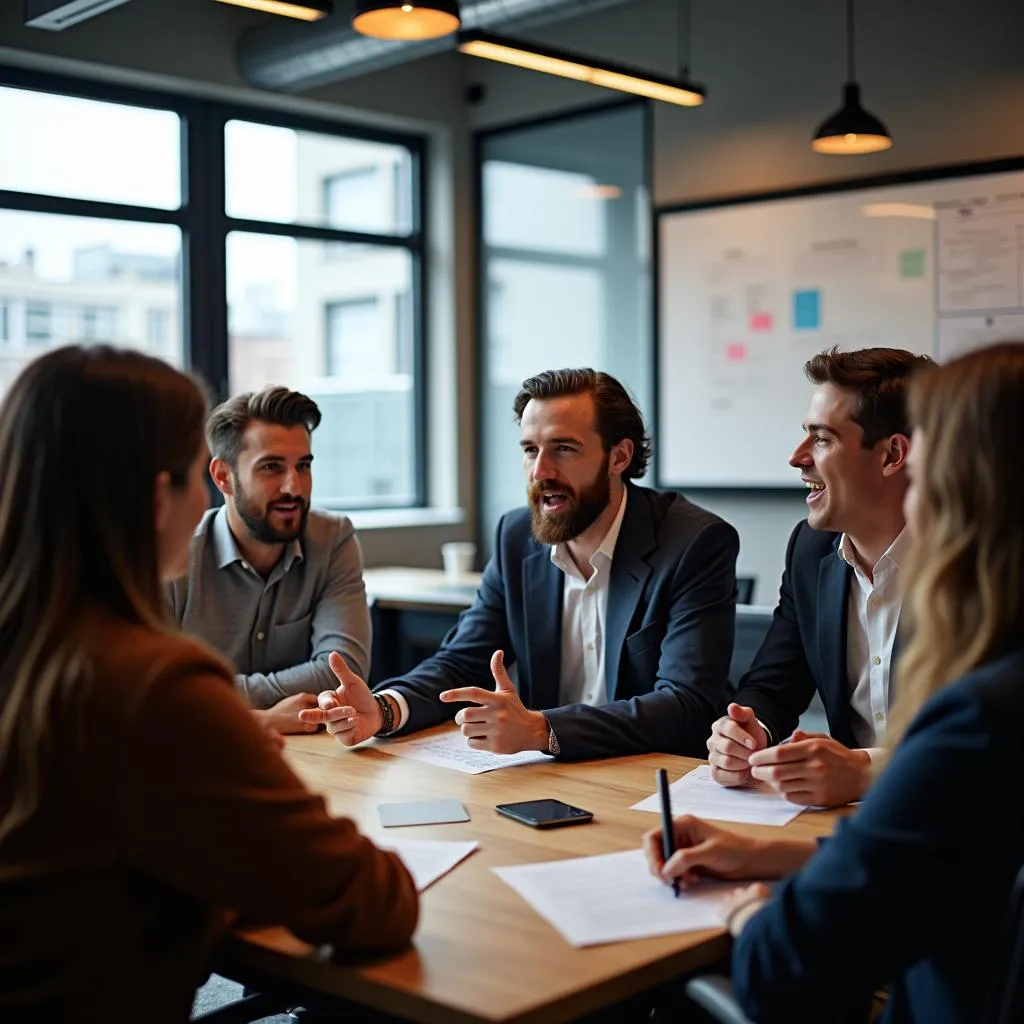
(481,954)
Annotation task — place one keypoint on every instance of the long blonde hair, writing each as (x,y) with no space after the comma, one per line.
(84,432)
(965,577)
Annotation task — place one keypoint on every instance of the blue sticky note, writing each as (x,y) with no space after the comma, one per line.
(807,310)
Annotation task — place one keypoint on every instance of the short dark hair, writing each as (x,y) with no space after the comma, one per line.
(617,415)
(880,377)
(274,404)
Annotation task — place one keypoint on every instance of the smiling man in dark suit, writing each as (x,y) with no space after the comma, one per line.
(835,627)
(615,602)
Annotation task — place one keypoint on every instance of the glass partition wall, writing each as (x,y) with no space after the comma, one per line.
(565,272)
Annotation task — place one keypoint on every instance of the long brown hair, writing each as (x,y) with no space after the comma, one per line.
(84,432)
(965,577)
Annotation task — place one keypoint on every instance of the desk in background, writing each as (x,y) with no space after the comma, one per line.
(413,610)
(481,955)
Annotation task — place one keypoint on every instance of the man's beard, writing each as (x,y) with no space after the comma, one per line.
(258,522)
(582,512)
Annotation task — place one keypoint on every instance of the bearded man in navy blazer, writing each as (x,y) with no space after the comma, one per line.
(616,603)
(835,629)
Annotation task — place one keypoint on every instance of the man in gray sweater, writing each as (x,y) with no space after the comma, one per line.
(272,585)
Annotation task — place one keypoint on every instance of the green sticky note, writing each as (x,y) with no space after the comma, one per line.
(912,263)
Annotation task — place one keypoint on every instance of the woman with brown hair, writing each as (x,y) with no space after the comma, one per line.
(912,889)
(141,806)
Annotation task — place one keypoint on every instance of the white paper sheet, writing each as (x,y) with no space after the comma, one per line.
(429,859)
(698,794)
(449,750)
(611,897)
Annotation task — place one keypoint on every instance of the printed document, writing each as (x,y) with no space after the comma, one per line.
(429,859)
(698,794)
(449,750)
(611,897)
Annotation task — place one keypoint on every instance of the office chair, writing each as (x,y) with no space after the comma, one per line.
(245,1010)
(714,994)
(745,589)
(1006,991)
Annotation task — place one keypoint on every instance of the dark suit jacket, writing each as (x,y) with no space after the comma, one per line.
(913,888)
(805,647)
(669,632)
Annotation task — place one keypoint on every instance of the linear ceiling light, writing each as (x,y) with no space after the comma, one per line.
(851,129)
(406,19)
(304,10)
(584,69)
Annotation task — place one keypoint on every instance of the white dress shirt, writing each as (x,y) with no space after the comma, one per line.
(872,614)
(584,612)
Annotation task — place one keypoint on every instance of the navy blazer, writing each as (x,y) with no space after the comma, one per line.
(805,647)
(913,888)
(669,632)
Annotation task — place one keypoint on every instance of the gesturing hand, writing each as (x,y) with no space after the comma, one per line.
(501,723)
(350,712)
(733,739)
(814,770)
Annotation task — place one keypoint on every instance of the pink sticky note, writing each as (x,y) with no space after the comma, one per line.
(736,352)
(761,321)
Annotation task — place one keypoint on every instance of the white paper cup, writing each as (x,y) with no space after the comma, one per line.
(458,559)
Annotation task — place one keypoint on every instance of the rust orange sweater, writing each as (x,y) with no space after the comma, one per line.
(169,810)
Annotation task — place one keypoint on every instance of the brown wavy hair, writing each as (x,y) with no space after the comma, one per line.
(879,377)
(618,416)
(965,577)
(274,404)
(84,432)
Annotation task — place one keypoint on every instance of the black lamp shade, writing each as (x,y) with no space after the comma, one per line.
(851,129)
(406,19)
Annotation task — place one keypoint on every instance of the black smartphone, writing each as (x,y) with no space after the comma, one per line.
(545,813)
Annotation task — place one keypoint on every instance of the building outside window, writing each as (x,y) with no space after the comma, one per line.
(318,218)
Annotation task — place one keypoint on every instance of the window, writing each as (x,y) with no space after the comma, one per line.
(356,341)
(83,149)
(38,321)
(99,324)
(156,328)
(98,228)
(329,304)
(323,246)
(566,268)
(313,178)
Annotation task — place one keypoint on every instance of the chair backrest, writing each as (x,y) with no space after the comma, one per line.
(745,589)
(752,624)
(1006,995)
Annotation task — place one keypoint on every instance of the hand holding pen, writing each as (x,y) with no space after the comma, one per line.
(668,845)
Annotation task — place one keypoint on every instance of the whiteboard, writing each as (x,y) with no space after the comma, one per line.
(748,291)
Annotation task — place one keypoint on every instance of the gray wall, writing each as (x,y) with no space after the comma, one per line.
(188,46)
(946,77)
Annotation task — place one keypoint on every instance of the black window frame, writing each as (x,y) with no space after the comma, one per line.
(205,225)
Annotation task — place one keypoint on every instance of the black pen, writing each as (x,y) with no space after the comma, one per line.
(668,846)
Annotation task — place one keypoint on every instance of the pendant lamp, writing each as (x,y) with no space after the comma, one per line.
(406,19)
(851,129)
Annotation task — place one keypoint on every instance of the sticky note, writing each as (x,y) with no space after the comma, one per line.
(807,310)
(912,263)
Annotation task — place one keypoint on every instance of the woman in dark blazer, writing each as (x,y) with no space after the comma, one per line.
(912,890)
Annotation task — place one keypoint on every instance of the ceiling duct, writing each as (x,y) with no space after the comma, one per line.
(56,15)
(291,58)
